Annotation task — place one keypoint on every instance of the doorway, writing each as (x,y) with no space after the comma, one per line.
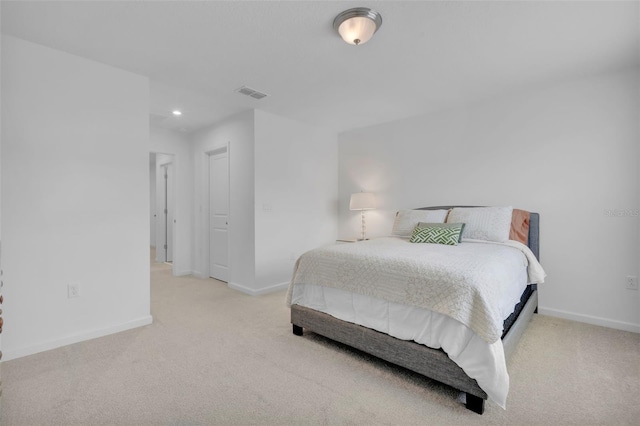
(164,209)
(219,214)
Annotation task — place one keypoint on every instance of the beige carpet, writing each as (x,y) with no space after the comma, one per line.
(216,356)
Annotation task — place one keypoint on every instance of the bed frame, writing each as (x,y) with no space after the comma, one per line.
(432,363)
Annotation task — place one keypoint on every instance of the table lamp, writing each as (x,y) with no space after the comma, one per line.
(362,201)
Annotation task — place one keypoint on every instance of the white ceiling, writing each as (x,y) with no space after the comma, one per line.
(428,55)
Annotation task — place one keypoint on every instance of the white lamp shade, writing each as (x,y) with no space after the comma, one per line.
(357,30)
(362,201)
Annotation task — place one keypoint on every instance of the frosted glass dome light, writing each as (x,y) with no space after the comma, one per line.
(357,26)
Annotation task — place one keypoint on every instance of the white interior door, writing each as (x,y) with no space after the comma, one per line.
(169,179)
(160,215)
(165,212)
(153,214)
(219,214)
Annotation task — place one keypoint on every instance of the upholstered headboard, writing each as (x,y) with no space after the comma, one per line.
(534,227)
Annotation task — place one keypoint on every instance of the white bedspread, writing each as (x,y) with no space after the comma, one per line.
(474,283)
(390,311)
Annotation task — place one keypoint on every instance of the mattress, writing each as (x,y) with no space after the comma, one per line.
(480,360)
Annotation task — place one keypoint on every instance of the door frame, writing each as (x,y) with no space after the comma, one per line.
(176,250)
(169,210)
(218,150)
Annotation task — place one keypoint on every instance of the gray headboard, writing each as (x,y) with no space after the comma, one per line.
(534,228)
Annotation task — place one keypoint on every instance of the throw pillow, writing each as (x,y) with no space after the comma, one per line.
(437,234)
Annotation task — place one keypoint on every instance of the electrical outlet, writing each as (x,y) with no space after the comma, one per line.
(632,282)
(73,290)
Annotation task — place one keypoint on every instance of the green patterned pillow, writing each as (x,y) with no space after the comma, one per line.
(443,225)
(437,233)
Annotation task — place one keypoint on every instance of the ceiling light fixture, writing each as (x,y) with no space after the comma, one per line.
(177,112)
(357,26)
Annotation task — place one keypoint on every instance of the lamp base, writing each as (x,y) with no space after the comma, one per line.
(363,239)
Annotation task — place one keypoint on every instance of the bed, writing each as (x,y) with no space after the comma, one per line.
(394,338)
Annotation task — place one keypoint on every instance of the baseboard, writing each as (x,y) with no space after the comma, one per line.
(258,292)
(589,319)
(181,273)
(75,338)
(200,275)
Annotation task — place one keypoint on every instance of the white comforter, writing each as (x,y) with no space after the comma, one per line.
(360,303)
(475,283)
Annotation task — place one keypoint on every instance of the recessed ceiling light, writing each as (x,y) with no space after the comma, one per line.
(177,112)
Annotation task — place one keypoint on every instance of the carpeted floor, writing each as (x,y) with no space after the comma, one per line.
(216,356)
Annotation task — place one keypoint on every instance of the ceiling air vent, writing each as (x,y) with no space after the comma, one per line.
(250,92)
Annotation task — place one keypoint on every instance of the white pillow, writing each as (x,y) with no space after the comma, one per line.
(406,220)
(483,223)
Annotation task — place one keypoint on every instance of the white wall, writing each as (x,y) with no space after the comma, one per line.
(296,188)
(236,132)
(75,198)
(1,347)
(283,177)
(178,145)
(569,152)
